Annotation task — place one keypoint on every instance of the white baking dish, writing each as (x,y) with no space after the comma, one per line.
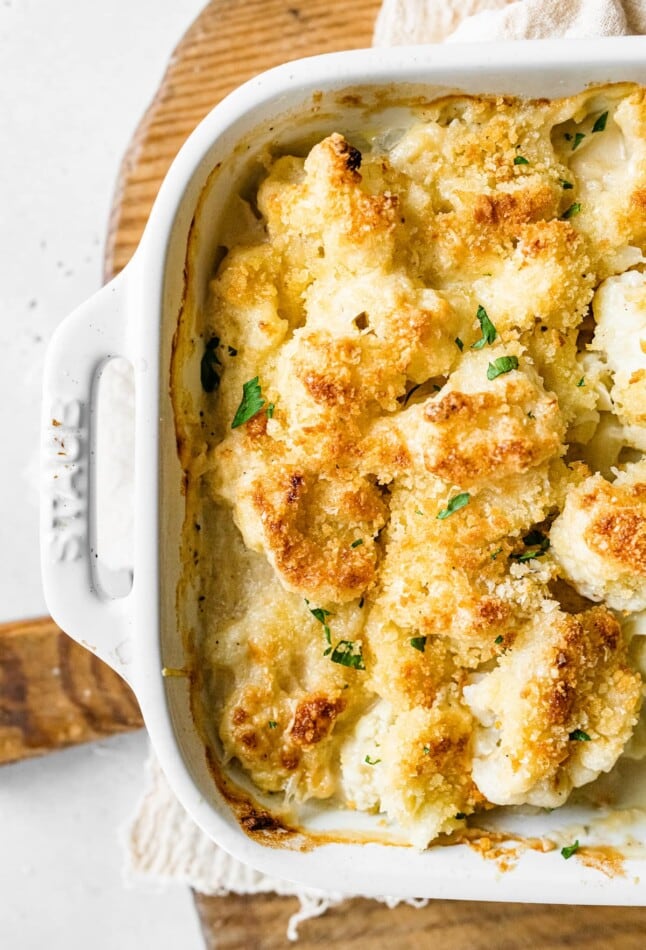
(135,316)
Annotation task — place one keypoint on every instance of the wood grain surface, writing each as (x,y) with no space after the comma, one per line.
(231,41)
(260,922)
(54,693)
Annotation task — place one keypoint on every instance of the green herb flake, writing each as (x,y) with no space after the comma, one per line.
(600,123)
(495,553)
(581,382)
(457,502)
(537,543)
(574,208)
(488,330)
(579,736)
(270,410)
(355,544)
(209,375)
(251,404)
(321,615)
(570,849)
(519,160)
(501,365)
(427,750)
(272,724)
(499,638)
(410,393)
(459,343)
(565,185)
(418,512)
(578,138)
(348,653)
(418,643)
(370,761)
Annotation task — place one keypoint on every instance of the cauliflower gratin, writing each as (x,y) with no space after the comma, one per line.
(417,498)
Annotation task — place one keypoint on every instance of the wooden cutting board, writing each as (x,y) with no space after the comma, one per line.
(231,41)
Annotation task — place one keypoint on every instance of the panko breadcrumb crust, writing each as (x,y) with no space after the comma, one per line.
(417,575)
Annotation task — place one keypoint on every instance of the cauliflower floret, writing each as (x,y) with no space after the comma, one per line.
(608,170)
(465,590)
(599,539)
(620,312)
(421,776)
(548,277)
(475,429)
(318,533)
(557,710)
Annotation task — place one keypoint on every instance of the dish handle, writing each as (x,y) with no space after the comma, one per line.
(82,344)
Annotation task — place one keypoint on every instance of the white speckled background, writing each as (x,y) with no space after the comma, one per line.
(75,77)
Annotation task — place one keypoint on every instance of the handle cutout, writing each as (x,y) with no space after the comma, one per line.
(112,471)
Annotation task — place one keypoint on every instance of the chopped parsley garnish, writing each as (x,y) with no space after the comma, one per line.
(348,653)
(600,124)
(581,382)
(270,410)
(488,329)
(355,544)
(495,553)
(232,351)
(251,404)
(519,160)
(537,537)
(418,643)
(457,502)
(499,638)
(537,543)
(565,185)
(427,750)
(410,392)
(272,723)
(209,375)
(579,736)
(321,615)
(418,512)
(574,208)
(459,343)
(570,849)
(501,365)
(370,761)
(578,138)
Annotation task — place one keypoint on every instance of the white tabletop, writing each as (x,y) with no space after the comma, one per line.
(75,78)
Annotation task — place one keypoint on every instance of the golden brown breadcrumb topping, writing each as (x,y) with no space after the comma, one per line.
(418,566)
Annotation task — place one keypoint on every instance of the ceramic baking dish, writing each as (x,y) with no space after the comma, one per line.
(135,316)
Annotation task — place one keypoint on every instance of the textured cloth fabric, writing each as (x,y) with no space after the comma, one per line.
(433,21)
(163,843)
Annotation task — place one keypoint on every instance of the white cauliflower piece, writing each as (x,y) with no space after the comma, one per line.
(421,778)
(620,311)
(557,710)
(599,539)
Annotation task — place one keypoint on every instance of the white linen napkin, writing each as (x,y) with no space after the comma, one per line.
(163,843)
